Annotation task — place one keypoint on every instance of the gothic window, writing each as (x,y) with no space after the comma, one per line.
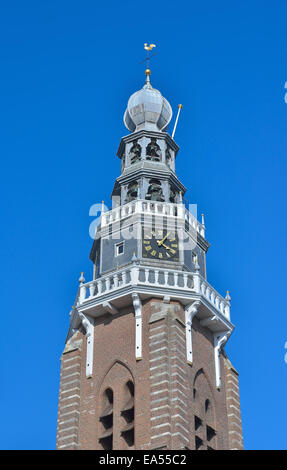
(135,153)
(132,192)
(106,420)
(154,192)
(204,428)
(116,411)
(127,412)
(153,151)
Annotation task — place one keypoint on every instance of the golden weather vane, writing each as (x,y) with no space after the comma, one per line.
(148,48)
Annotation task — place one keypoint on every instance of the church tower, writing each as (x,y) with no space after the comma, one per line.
(144,366)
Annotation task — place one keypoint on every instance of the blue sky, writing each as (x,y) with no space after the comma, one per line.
(67,70)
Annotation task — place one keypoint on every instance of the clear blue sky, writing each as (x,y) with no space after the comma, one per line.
(67,70)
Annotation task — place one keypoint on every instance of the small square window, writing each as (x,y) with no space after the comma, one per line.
(119,248)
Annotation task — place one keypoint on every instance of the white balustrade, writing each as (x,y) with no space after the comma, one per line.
(154,208)
(155,277)
(213,297)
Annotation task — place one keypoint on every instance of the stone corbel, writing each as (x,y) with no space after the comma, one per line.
(138,326)
(220,339)
(88,326)
(110,308)
(190,312)
(208,320)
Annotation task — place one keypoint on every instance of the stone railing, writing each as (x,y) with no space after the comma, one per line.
(135,275)
(160,209)
(218,302)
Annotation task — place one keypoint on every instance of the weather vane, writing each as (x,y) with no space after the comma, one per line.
(148,48)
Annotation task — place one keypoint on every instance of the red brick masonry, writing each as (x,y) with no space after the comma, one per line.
(176,405)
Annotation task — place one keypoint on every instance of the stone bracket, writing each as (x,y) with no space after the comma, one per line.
(110,308)
(190,312)
(88,325)
(206,321)
(220,339)
(138,326)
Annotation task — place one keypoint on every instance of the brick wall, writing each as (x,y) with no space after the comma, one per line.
(69,395)
(233,407)
(176,405)
(168,378)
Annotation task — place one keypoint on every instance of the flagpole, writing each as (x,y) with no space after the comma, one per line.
(179,109)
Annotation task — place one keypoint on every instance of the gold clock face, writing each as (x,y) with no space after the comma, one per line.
(160,244)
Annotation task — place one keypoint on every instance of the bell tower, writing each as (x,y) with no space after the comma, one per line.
(144,365)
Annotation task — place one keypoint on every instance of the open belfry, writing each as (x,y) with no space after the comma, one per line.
(144,365)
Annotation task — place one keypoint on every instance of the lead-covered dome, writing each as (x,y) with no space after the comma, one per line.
(147,109)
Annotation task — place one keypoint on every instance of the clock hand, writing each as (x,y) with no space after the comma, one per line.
(167,247)
(161,242)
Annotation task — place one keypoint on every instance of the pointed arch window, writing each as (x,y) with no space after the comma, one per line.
(106,420)
(205,433)
(128,413)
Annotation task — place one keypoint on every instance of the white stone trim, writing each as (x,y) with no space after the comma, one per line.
(156,408)
(161,435)
(138,326)
(190,312)
(156,384)
(70,397)
(156,336)
(166,415)
(159,350)
(70,359)
(159,399)
(165,372)
(181,435)
(161,425)
(88,324)
(68,445)
(67,437)
(68,413)
(67,429)
(180,417)
(165,390)
(220,339)
(64,376)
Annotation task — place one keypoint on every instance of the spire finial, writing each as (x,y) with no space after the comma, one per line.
(147,73)
(148,48)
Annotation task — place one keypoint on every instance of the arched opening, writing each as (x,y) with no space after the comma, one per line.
(153,151)
(128,413)
(132,192)
(135,153)
(204,427)
(154,192)
(116,409)
(106,420)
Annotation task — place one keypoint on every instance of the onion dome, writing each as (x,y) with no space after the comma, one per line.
(147,109)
